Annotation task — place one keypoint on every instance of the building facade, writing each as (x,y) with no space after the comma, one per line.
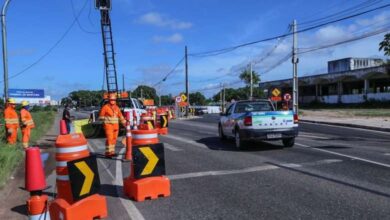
(356,85)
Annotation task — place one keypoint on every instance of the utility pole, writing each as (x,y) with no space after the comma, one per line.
(123,82)
(187,83)
(223,98)
(295,61)
(5,56)
(142,94)
(220,98)
(251,91)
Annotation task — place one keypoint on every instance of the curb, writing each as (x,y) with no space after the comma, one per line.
(347,125)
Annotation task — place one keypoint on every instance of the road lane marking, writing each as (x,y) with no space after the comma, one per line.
(345,155)
(249,169)
(387,154)
(174,137)
(353,128)
(171,147)
(221,172)
(196,124)
(312,136)
(129,206)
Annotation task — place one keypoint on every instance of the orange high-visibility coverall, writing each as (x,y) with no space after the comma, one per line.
(27,124)
(11,124)
(111,116)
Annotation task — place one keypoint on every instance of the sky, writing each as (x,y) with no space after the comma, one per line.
(150,36)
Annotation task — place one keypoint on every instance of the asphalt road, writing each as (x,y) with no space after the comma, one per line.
(331,173)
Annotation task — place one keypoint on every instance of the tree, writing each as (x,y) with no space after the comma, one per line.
(197,98)
(167,100)
(385,45)
(246,77)
(146,92)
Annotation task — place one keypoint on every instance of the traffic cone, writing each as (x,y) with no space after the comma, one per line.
(34,173)
(63,129)
(35,182)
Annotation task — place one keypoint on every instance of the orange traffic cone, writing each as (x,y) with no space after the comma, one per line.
(35,182)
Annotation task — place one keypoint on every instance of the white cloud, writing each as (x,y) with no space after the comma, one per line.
(160,20)
(174,38)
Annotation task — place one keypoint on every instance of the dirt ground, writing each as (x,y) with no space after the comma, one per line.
(13,196)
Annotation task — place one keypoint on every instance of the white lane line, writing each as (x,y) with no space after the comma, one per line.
(177,138)
(312,136)
(341,126)
(129,206)
(249,169)
(345,155)
(387,154)
(171,147)
(195,124)
(222,172)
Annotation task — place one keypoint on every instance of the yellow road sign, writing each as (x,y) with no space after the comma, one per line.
(183,98)
(88,173)
(276,92)
(148,160)
(152,160)
(84,177)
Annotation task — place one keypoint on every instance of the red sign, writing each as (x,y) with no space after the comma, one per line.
(276,98)
(287,97)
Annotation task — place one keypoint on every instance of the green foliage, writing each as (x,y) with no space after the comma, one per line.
(238,94)
(85,98)
(385,45)
(10,156)
(197,98)
(246,77)
(146,92)
(167,100)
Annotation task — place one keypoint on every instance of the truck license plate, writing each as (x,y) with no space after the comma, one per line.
(274,136)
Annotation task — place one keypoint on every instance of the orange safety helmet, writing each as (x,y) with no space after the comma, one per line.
(112,96)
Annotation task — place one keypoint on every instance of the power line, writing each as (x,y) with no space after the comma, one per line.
(369,34)
(232,48)
(52,47)
(170,72)
(78,22)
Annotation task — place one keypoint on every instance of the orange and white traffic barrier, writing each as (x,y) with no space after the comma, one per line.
(68,147)
(37,206)
(142,137)
(147,118)
(149,187)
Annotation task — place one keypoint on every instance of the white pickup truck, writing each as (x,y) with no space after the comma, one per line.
(257,120)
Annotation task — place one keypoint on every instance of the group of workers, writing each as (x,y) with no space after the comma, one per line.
(13,122)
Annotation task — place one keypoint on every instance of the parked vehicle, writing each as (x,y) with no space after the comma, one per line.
(257,120)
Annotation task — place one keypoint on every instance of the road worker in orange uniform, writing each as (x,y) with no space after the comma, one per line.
(27,123)
(11,121)
(111,116)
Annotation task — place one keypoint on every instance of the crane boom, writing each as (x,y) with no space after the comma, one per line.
(108,45)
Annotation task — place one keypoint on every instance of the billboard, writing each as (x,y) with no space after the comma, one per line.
(26,93)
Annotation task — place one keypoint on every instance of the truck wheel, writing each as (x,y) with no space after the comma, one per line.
(240,144)
(288,142)
(220,133)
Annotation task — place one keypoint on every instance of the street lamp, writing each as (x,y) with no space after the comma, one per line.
(5,58)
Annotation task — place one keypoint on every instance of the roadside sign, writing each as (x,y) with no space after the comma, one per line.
(276,92)
(178,99)
(182,104)
(183,98)
(149,160)
(84,177)
(287,97)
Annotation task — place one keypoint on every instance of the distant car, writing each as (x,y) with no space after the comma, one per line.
(257,120)
(201,111)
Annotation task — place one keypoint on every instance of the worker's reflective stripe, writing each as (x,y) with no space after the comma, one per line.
(71,149)
(63,177)
(28,122)
(11,121)
(144,136)
(44,215)
(61,163)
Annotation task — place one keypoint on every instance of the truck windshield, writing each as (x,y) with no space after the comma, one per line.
(243,107)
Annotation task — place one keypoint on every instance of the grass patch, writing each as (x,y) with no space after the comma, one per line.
(11,156)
